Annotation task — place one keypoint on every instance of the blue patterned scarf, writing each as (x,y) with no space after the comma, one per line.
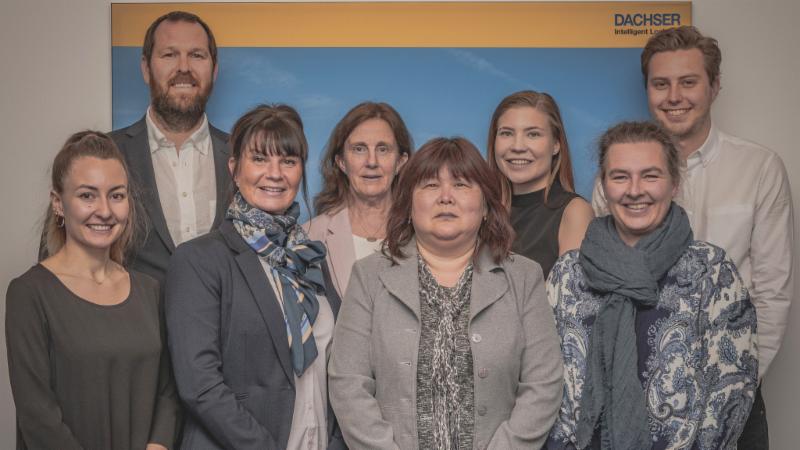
(295,261)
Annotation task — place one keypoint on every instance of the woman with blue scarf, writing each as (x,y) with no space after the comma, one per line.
(250,307)
(658,332)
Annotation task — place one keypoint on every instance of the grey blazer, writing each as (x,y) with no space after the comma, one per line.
(228,342)
(515,349)
(151,254)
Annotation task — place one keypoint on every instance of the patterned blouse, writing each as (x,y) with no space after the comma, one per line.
(697,350)
(444,365)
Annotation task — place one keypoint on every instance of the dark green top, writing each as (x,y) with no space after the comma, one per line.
(537,224)
(88,376)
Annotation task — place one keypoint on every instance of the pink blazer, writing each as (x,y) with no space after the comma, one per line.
(335,232)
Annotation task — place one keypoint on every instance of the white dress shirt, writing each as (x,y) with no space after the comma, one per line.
(186,181)
(309,421)
(737,196)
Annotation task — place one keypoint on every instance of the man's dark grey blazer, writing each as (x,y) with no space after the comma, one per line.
(152,251)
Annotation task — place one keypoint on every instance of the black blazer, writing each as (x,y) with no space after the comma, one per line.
(229,347)
(151,252)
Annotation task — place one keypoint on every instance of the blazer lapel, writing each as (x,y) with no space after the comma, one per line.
(141,167)
(339,242)
(489,283)
(402,280)
(264,295)
(334,300)
(219,146)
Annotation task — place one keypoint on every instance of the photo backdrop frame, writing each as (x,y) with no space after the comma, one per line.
(443,66)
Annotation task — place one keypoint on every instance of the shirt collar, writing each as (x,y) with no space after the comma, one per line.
(158,140)
(706,153)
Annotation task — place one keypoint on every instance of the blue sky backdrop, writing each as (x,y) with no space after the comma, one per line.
(439,92)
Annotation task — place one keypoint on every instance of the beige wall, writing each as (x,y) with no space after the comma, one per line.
(56,79)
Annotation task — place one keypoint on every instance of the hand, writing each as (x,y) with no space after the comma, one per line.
(152,446)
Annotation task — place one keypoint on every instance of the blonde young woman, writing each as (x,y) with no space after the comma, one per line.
(86,350)
(529,151)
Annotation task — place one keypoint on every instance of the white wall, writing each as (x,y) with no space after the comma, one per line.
(56,79)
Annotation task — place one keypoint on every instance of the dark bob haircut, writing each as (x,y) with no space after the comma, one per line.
(464,161)
(270,130)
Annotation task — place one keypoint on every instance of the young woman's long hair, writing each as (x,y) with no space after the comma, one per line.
(561,167)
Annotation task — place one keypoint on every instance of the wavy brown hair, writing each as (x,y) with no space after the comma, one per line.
(561,167)
(335,185)
(87,144)
(685,37)
(464,161)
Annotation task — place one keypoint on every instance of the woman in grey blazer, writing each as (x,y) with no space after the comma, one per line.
(446,341)
(250,307)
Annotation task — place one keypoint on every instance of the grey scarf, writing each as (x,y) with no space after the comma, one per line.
(613,397)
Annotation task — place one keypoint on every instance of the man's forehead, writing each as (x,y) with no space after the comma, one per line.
(180,32)
(677,63)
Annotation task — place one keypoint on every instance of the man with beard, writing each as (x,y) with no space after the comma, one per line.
(735,192)
(178,161)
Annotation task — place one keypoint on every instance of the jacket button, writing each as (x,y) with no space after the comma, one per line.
(483,372)
(476,337)
(481,410)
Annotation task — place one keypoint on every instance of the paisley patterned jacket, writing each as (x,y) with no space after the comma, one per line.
(697,350)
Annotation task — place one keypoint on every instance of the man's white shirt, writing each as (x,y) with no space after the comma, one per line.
(186,181)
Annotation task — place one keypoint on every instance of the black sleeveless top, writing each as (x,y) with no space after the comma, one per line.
(537,224)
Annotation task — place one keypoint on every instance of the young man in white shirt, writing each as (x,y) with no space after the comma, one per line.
(178,161)
(735,192)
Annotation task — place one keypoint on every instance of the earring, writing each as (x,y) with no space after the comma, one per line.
(59,224)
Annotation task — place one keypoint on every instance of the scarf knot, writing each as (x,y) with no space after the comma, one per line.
(612,397)
(296,264)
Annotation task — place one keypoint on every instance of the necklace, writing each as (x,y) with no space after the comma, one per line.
(369,236)
(108,275)
(80,277)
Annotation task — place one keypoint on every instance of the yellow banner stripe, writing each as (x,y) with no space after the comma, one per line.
(411,24)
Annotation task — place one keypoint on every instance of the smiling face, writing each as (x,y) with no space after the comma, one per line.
(524,148)
(447,212)
(680,94)
(269,181)
(638,188)
(370,159)
(94,203)
(180,73)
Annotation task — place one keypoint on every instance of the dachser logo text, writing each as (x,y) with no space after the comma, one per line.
(638,23)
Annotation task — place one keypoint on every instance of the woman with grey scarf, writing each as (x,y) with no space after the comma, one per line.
(446,341)
(658,332)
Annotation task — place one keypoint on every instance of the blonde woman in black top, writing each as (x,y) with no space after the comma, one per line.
(85,337)
(528,148)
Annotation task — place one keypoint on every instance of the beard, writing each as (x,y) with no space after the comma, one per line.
(178,114)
